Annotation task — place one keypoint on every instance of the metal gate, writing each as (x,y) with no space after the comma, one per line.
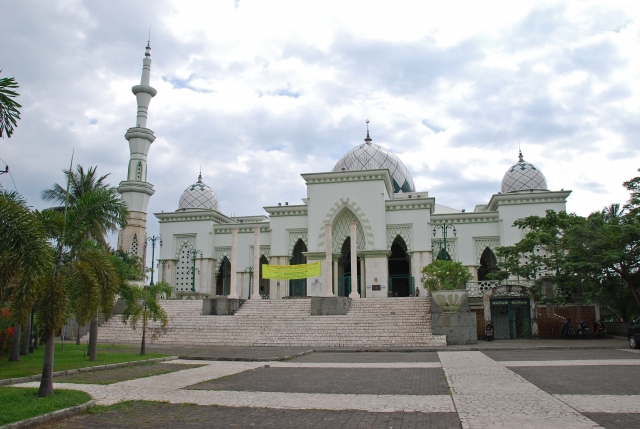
(298,287)
(344,286)
(401,285)
(511,317)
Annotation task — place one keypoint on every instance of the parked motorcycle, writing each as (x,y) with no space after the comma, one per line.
(489,332)
(599,329)
(567,329)
(583,330)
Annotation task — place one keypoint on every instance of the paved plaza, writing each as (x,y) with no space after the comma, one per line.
(492,388)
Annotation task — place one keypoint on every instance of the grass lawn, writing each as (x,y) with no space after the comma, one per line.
(72,357)
(23,403)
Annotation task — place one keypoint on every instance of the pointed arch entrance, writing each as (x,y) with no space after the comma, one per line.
(488,264)
(264,283)
(223,279)
(401,283)
(345,277)
(298,287)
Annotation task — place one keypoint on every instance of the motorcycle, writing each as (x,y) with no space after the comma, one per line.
(567,330)
(489,332)
(583,330)
(599,329)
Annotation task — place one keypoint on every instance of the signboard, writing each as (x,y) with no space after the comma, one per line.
(290,272)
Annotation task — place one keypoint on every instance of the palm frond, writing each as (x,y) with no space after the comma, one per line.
(9,113)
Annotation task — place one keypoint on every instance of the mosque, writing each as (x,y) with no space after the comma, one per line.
(363,221)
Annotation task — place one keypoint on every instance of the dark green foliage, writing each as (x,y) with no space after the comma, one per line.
(445,275)
(142,306)
(9,113)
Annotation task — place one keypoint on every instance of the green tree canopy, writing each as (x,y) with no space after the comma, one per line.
(142,306)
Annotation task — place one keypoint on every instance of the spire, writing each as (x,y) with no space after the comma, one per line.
(520,158)
(147,53)
(368,139)
(200,176)
(144,92)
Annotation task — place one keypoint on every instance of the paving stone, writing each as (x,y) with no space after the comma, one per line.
(616,421)
(615,404)
(145,415)
(583,380)
(403,381)
(370,357)
(116,375)
(543,355)
(222,352)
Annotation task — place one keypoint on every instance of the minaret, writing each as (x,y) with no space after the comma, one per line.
(136,191)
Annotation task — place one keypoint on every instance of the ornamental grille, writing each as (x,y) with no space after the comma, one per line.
(139,171)
(523,176)
(184,272)
(370,156)
(341,231)
(134,246)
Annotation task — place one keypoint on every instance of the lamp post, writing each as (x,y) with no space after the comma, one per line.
(153,240)
(163,263)
(250,270)
(193,268)
(443,254)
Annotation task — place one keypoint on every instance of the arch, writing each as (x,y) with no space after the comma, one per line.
(298,287)
(223,277)
(264,283)
(184,268)
(335,210)
(341,229)
(488,264)
(399,266)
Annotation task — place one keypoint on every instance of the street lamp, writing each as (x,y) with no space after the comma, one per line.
(443,254)
(193,268)
(153,240)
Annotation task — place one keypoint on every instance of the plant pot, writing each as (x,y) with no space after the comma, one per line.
(450,300)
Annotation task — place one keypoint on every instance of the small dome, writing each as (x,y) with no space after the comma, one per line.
(198,196)
(370,156)
(523,176)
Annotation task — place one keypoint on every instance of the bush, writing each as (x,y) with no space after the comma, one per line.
(445,275)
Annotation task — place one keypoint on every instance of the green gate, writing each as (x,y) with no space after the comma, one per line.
(511,318)
(344,286)
(298,287)
(401,285)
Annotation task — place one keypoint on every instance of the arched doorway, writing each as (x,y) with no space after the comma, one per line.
(345,279)
(264,283)
(401,283)
(223,279)
(298,287)
(488,264)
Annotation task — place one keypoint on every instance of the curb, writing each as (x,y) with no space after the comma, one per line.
(465,349)
(240,359)
(50,417)
(19,380)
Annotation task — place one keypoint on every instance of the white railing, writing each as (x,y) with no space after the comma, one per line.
(478,288)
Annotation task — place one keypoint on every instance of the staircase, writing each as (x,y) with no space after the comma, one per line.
(370,322)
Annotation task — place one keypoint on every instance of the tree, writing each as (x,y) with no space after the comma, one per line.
(25,256)
(142,306)
(9,113)
(445,275)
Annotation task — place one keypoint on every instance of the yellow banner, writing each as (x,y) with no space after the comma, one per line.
(290,272)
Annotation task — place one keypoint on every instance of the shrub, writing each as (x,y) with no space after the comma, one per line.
(445,275)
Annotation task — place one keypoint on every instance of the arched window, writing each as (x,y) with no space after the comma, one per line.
(133,251)
(488,264)
(264,283)
(298,287)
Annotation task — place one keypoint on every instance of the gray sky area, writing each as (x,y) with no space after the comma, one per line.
(257,92)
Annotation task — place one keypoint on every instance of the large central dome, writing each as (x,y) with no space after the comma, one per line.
(199,197)
(369,156)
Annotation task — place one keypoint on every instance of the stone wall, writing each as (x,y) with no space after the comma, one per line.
(459,327)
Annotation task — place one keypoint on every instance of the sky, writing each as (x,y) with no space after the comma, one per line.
(255,93)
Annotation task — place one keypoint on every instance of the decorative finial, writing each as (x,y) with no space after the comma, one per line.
(520,158)
(368,139)
(200,175)
(148,48)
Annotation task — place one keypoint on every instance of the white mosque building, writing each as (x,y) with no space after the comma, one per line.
(363,219)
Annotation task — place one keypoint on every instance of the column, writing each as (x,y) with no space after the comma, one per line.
(233,293)
(255,293)
(328,277)
(363,276)
(335,278)
(354,262)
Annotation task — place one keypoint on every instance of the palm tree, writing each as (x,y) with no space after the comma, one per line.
(82,183)
(142,305)
(25,256)
(9,113)
(92,214)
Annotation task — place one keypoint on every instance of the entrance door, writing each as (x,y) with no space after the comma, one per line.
(511,317)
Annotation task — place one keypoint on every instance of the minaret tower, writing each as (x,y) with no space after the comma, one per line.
(136,191)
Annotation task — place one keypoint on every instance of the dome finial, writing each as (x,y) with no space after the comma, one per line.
(368,139)
(520,157)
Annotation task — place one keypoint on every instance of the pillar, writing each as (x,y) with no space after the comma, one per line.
(328,277)
(362,279)
(233,293)
(255,293)
(354,262)
(335,278)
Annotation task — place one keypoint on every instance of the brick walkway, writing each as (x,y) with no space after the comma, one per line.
(539,389)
